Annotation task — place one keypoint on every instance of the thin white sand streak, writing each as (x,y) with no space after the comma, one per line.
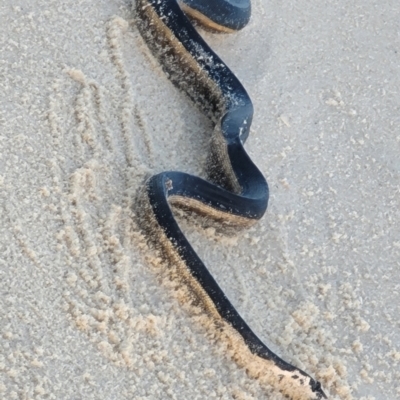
(93,300)
(53,117)
(118,256)
(18,373)
(103,315)
(76,233)
(101,115)
(114,29)
(82,183)
(117,253)
(93,122)
(110,322)
(85,113)
(97,298)
(18,232)
(259,7)
(91,113)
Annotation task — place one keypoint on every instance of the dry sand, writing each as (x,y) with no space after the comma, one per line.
(86,114)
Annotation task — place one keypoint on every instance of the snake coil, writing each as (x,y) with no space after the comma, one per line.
(236,194)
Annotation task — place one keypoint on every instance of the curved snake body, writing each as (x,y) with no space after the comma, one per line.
(237,192)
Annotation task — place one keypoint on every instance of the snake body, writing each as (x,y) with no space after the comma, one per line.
(236,192)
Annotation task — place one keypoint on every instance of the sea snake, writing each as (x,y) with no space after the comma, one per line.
(236,192)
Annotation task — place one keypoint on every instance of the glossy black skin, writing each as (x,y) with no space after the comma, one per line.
(234,117)
(232,14)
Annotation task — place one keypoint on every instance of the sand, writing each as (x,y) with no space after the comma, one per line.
(86,114)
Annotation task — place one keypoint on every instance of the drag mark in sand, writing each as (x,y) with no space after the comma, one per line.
(115,28)
(95,233)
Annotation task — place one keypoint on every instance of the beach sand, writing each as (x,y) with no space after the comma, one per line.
(86,114)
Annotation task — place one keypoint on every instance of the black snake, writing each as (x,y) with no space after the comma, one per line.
(236,193)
